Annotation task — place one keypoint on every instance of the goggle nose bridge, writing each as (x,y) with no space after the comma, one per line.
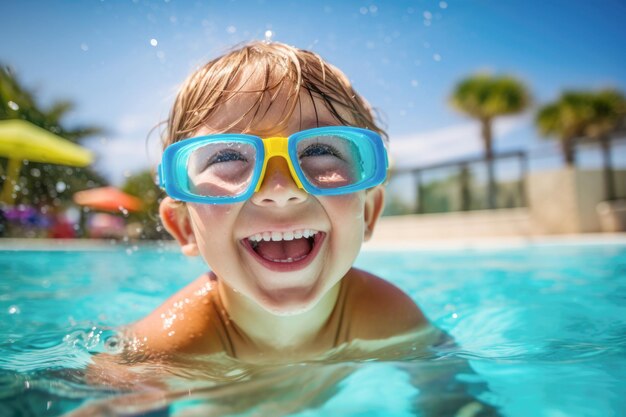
(277,146)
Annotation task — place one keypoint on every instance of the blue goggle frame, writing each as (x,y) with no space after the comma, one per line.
(172,171)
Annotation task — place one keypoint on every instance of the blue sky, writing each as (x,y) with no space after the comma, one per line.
(403,56)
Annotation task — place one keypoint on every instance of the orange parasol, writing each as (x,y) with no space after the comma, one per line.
(107,199)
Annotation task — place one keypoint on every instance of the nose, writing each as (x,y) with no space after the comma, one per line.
(278,188)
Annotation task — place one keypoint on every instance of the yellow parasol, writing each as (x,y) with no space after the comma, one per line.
(21,140)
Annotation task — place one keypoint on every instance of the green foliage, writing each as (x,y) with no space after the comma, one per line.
(567,117)
(593,114)
(608,114)
(44,184)
(142,185)
(485,97)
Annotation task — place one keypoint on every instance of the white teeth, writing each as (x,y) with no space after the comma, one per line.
(278,236)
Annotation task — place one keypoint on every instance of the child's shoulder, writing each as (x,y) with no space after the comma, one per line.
(184,323)
(379,308)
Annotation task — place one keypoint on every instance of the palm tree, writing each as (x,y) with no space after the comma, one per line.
(485,97)
(44,184)
(567,119)
(608,114)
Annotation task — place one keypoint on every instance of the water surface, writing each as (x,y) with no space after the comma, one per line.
(540,330)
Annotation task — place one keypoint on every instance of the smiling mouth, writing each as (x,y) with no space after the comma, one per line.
(285,251)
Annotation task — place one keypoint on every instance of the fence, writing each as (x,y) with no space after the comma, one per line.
(462,185)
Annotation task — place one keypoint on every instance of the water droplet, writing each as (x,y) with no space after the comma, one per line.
(414,83)
(60,186)
(428,15)
(437,57)
(373,8)
(232,29)
(84,46)
(455,316)
(13,105)
(14,310)
(268,35)
(154,42)
(443,4)
(363,10)
(129,251)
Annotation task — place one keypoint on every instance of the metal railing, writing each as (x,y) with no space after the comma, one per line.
(462,185)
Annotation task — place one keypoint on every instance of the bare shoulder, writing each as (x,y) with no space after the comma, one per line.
(181,324)
(381,309)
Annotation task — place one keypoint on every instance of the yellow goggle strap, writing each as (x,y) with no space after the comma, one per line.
(277,146)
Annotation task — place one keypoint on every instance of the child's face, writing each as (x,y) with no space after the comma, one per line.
(220,232)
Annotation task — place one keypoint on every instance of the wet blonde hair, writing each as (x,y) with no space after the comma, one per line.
(275,67)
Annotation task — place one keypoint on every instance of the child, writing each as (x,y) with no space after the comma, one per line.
(279,222)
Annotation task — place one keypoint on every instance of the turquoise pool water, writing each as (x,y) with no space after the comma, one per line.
(540,330)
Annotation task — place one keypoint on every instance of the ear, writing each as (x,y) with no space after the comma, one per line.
(374,203)
(176,220)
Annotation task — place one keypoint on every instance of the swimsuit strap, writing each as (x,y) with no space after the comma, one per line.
(224,324)
(338,317)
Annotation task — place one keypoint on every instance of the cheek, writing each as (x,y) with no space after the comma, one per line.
(207,214)
(212,223)
(346,215)
(214,227)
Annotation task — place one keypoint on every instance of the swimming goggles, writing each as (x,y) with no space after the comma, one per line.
(229,168)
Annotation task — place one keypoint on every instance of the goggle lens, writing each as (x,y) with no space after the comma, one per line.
(330,161)
(221,169)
